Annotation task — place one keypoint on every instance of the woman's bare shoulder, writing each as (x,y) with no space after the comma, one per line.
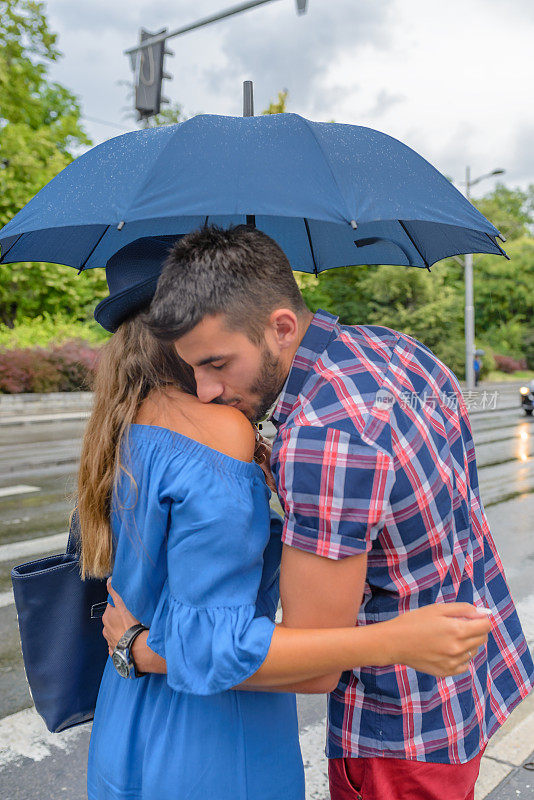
(218,426)
(229,430)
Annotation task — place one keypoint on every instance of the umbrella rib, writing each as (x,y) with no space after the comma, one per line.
(406,231)
(327,161)
(311,246)
(496,243)
(94,248)
(9,249)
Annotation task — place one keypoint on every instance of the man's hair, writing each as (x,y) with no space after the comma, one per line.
(240,272)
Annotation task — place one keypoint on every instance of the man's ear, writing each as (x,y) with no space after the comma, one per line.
(282,328)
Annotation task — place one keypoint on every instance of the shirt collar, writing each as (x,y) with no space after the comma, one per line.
(313,343)
(270,411)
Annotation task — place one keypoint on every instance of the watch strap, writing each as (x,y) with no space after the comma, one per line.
(126,641)
(126,637)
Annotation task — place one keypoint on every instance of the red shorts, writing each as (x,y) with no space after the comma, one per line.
(398,779)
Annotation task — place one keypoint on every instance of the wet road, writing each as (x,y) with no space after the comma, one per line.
(37,467)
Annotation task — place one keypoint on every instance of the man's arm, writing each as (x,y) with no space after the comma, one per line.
(319,592)
(334,489)
(439,639)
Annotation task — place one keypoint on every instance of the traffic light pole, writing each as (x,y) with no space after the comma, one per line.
(229,12)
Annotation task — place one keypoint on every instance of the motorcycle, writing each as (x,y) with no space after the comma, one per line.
(527,398)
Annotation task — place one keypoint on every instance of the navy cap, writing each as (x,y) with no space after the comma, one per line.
(132,274)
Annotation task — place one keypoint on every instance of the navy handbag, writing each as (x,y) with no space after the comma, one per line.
(60,626)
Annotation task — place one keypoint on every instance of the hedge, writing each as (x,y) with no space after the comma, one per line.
(61,368)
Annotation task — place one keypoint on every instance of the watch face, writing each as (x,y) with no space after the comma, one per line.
(121,663)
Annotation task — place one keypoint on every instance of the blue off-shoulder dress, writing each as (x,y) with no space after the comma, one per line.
(197,554)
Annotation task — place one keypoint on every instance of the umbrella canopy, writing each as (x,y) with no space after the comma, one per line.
(330,194)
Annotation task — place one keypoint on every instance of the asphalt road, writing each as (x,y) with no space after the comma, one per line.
(37,467)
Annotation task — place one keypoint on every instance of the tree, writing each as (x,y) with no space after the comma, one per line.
(169,116)
(40,130)
(504,297)
(407,299)
(431,307)
(39,119)
(510,210)
(277,106)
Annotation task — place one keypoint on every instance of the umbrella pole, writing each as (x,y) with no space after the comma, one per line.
(248,111)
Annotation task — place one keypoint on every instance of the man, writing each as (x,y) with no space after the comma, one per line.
(375,468)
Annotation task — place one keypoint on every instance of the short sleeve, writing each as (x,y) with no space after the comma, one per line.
(205,624)
(334,488)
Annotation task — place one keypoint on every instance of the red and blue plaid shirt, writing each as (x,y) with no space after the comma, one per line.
(374,453)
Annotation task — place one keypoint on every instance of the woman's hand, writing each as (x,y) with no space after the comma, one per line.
(439,639)
(262,456)
(116,620)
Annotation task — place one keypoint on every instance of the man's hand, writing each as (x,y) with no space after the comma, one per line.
(116,620)
(440,639)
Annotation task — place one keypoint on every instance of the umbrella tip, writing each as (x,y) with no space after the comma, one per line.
(353,224)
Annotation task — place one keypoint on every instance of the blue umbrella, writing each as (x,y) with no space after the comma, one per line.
(330,194)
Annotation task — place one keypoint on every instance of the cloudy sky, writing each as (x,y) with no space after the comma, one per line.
(451,79)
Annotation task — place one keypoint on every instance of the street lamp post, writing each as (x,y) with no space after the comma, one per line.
(469,300)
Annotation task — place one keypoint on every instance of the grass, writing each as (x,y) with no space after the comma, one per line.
(500,377)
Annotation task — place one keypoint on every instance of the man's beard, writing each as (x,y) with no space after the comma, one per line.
(268,384)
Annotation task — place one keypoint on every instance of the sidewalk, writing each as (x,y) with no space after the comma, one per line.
(520,783)
(503,775)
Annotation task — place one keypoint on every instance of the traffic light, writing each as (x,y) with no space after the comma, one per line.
(301,6)
(149,75)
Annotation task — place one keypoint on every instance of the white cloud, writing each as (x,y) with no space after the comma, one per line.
(451,80)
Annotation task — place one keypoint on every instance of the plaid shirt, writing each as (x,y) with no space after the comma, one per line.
(374,453)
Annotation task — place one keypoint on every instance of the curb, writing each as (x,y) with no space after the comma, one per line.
(78,416)
(26,409)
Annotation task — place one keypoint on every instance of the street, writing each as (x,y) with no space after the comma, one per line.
(37,467)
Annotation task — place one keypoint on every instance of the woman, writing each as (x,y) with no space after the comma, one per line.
(172,502)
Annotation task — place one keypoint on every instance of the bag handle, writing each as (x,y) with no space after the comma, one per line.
(74,534)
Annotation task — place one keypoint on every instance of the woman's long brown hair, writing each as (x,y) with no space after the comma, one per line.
(131,364)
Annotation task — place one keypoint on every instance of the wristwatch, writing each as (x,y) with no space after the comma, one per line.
(122,655)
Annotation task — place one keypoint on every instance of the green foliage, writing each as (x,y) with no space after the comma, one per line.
(407,299)
(528,347)
(504,296)
(169,116)
(39,128)
(30,289)
(277,106)
(39,119)
(45,330)
(510,210)
(430,307)
(26,45)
